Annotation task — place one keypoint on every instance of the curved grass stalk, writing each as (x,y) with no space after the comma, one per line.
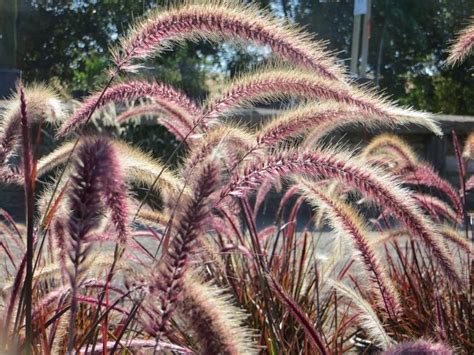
(393,146)
(368,319)
(436,207)
(124,92)
(345,221)
(423,174)
(274,83)
(215,20)
(371,182)
(463,45)
(453,236)
(219,142)
(43,104)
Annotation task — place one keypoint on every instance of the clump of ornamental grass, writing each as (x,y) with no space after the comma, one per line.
(122,252)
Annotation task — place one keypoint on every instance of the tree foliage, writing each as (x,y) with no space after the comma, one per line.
(408,46)
(69,41)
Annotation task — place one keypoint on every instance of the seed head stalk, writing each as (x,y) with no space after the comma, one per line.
(29,201)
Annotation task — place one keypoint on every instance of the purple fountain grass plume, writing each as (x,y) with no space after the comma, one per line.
(411,170)
(141,169)
(463,45)
(262,193)
(468,151)
(128,91)
(347,222)
(310,116)
(112,178)
(229,20)
(138,168)
(43,104)
(324,117)
(209,253)
(220,142)
(59,232)
(172,118)
(169,121)
(422,174)
(370,182)
(96,177)
(168,280)
(270,83)
(216,324)
(154,218)
(175,128)
(53,159)
(367,317)
(421,347)
(396,148)
(292,191)
(114,192)
(311,332)
(458,239)
(436,208)
(86,207)
(160,106)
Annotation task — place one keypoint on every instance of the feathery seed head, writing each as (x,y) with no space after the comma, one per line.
(367,318)
(192,213)
(394,147)
(463,45)
(468,151)
(421,347)
(371,182)
(269,83)
(346,221)
(220,19)
(43,104)
(129,91)
(216,324)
